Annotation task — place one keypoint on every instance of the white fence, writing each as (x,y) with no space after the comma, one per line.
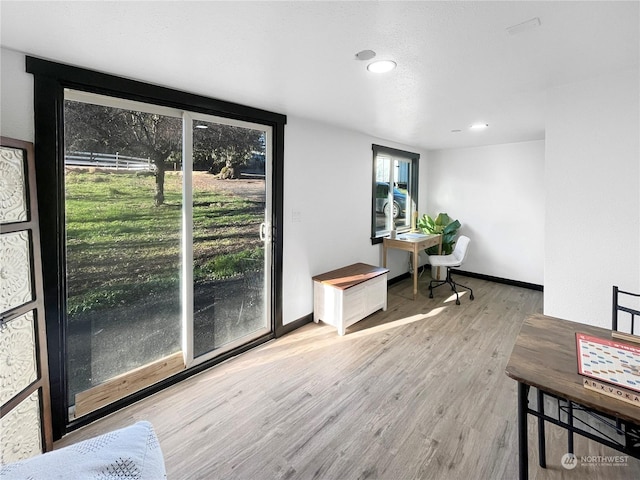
(108,160)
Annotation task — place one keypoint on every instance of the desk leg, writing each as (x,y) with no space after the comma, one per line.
(384,255)
(523,448)
(415,271)
(542,453)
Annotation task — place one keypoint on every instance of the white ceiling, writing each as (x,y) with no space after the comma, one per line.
(457,65)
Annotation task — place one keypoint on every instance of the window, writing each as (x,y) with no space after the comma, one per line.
(154,242)
(395,191)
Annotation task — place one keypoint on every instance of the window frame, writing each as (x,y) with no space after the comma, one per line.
(412,201)
(50,80)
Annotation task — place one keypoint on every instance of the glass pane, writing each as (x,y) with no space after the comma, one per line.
(21,434)
(13,196)
(385,210)
(394,194)
(15,271)
(228,256)
(123,185)
(402,193)
(17,356)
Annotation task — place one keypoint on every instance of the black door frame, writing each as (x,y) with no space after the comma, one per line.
(50,80)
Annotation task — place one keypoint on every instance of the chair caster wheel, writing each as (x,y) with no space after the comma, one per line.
(431,295)
(471,297)
(457,302)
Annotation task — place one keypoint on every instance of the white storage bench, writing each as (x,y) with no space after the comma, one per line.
(344,296)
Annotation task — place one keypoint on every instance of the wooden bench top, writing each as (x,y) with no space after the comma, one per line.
(350,276)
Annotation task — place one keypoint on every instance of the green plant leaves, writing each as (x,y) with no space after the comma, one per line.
(442,225)
(443,219)
(452,228)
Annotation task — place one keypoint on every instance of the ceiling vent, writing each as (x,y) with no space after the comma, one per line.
(365,55)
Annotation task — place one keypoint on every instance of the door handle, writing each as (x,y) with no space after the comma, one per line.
(264,232)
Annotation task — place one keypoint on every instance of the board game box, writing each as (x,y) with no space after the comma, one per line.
(609,361)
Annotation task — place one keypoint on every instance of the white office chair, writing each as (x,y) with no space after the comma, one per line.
(454,260)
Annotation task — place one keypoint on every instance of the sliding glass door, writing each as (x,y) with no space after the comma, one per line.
(230,234)
(167,243)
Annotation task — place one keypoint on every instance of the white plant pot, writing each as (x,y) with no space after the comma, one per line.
(438,273)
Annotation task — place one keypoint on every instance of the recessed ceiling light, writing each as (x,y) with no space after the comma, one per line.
(479,126)
(201,126)
(381,66)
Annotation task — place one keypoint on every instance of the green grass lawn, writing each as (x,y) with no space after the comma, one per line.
(120,246)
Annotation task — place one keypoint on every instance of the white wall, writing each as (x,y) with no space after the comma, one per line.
(327,207)
(592,231)
(16,97)
(497,194)
(590,222)
(327,189)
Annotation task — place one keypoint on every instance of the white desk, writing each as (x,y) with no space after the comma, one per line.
(411,242)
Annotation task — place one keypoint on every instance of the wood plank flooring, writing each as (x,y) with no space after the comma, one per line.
(416,392)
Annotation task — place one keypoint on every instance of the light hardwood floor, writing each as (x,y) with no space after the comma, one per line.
(416,392)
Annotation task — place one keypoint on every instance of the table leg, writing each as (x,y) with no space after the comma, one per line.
(523,448)
(542,453)
(569,432)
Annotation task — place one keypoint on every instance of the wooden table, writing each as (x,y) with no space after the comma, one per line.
(414,243)
(544,357)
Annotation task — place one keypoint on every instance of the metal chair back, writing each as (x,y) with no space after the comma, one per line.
(619,307)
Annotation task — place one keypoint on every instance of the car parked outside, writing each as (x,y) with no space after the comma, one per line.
(382,200)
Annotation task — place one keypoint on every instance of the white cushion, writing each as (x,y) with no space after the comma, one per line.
(444,261)
(131,453)
(454,259)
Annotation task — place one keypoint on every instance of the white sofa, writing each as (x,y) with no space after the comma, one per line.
(131,453)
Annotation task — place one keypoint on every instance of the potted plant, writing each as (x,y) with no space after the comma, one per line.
(446,227)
